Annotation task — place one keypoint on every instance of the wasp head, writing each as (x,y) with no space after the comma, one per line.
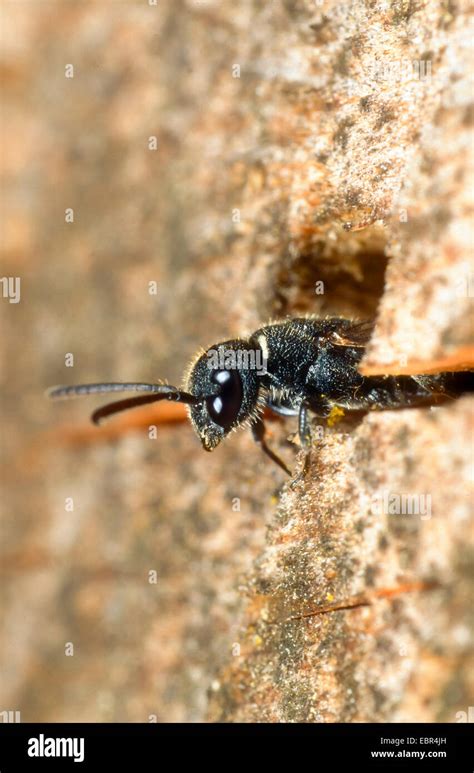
(226,377)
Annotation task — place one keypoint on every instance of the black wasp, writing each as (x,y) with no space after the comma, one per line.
(293,367)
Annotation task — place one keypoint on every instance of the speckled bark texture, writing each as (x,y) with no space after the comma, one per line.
(397,654)
(309,158)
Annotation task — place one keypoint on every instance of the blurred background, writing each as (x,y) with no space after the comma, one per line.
(172,175)
(141,216)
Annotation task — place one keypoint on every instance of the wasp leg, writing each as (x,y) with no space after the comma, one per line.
(303,426)
(321,406)
(258,432)
(281,410)
(302,474)
(305,440)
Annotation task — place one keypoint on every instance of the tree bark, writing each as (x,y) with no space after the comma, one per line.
(309,158)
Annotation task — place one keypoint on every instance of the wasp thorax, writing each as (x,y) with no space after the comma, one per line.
(226,377)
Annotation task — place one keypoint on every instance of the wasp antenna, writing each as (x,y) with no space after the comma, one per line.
(134,402)
(123,405)
(79,390)
(154,392)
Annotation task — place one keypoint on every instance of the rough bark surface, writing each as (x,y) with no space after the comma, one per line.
(341,155)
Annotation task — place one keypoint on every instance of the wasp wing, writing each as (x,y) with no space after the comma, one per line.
(354,334)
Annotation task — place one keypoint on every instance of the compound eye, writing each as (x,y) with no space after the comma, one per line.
(224,407)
